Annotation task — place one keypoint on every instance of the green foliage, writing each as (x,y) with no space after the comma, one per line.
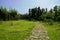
(24,16)
(8,15)
(49,21)
(12,14)
(3,12)
(43,14)
(36,13)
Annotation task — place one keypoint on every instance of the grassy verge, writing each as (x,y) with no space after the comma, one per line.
(53,30)
(15,30)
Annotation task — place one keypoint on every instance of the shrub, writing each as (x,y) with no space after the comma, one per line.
(49,21)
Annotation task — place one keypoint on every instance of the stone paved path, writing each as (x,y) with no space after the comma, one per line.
(38,33)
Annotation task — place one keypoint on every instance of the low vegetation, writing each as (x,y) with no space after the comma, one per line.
(53,30)
(15,30)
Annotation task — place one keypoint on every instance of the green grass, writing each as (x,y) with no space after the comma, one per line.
(53,30)
(19,30)
(15,30)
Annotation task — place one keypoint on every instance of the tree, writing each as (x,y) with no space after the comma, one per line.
(3,13)
(58,13)
(55,11)
(30,14)
(8,15)
(46,10)
(38,13)
(12,14)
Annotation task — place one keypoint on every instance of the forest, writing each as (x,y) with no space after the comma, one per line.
(37,13)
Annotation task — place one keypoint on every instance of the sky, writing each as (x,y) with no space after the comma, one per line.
(22,6)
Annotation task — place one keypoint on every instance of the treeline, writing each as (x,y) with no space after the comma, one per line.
(45,15)
(39,14)
(8,15)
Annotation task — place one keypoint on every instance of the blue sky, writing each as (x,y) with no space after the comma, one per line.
(22,6)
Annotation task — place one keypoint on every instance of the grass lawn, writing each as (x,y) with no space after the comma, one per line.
(53,30)
(15,30)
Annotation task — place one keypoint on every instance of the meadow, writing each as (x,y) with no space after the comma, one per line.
(15,30)
(20,29)
(53,30)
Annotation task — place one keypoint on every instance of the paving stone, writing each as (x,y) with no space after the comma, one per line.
(38,33)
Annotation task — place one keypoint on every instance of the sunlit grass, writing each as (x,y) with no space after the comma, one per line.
(15,30)
(18,30)
(53,30)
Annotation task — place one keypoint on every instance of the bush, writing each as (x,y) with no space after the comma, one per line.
(49,21)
